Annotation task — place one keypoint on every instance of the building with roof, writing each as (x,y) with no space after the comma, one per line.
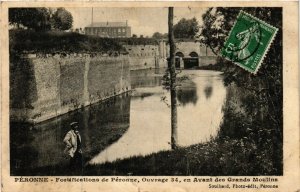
(109,29)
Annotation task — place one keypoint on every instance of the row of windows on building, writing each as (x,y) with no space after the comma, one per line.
(113,30)
(107,32)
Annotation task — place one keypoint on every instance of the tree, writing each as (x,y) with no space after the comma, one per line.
(264,102)
(62,19)
(186,28)
(216,27)
(172,81)
(32,18)
(158,35)
(134,36)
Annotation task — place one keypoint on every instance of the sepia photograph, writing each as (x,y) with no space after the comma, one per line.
(145,91)
(149,96)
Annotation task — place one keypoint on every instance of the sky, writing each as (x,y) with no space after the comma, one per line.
(143,21)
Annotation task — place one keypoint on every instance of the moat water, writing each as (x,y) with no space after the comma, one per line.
(199,116)
(133,124)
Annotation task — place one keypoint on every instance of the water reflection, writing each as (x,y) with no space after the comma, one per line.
(208,91)
(42,145)
(187,95)
(150,126)
(146,78)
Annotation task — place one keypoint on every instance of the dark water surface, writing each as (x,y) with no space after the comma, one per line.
(128,125)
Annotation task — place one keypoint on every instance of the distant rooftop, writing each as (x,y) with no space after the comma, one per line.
(108,24)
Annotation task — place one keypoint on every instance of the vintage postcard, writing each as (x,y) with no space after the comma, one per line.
(150,96)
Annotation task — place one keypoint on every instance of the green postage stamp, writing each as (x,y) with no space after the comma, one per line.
(248,42)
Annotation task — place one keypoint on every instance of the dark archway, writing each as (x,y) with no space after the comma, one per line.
(193,54)
(179,54)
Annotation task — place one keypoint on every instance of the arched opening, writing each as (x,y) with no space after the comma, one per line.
(179,54)
(178,58)
(193,54)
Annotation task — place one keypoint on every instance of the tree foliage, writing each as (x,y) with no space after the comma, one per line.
(32,18)
(62,19)
(158,35)
(41,19)
(186,28)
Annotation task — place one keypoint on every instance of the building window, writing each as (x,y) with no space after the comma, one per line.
(123,30)
(119,30)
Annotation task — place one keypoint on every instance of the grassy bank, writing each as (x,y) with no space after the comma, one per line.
(219,157)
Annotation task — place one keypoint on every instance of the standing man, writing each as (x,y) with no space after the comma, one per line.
(73,146)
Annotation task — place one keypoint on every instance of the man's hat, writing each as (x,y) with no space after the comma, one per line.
(74,124)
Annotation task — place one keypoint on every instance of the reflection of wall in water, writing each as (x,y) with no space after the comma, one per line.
(42,145)
(137,82)
(146,78)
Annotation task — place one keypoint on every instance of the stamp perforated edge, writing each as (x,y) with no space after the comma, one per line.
(265,50)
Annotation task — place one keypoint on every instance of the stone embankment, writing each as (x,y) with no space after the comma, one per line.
(43,87)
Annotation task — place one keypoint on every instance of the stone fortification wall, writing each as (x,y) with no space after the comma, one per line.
(187,47)
(145,57)
(155,56)
(208,57)
(207,60)
(205,54)
(206,51)
(45,87)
